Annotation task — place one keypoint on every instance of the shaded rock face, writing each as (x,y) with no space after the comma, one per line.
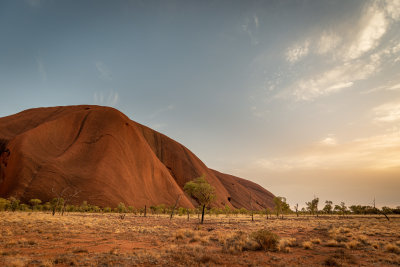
(108,158)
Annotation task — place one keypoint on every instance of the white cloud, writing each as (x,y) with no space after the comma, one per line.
(369,37)
(328,141)
(297,52)
(327,42)
(103,70)
(392,8)
(389,112)
(342,56)
(394,87)
(110,100)
(336,79)
(333,80)
(396,49)
(42,70)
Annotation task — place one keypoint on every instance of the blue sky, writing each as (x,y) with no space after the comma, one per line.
(302,97)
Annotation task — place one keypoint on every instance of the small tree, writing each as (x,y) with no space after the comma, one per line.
(343,208)
(296,208)
(174,207)
(312,206)
(337,209)
(328,207)
(280,205)
(227,210)
(251,207)
(14,203)
(267,211)
(121,207)
(56,204)
(202,191)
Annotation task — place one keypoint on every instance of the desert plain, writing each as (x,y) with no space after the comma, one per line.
(112,239)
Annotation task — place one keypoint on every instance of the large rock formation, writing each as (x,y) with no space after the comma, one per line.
(108,158)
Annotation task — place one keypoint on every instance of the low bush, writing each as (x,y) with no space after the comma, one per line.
(392,248)
(265,239)
(307,245)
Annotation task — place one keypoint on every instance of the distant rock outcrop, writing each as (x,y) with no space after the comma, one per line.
(108,158)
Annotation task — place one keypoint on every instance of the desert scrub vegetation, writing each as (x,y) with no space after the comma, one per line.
(307,245)
(85,238)
(393,248)
(265,239)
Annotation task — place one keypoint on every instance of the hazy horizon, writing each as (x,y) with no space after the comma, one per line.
(301,97)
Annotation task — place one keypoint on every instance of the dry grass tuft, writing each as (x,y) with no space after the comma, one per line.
(285,243)
(334,243)
(353,244)
(238,242)
(15,262)
(392,248)
(363,239)
(341,257)
(307,245)
(266,239)
(316,241)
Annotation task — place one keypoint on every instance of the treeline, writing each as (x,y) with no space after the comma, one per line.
(57,205)
(342,209)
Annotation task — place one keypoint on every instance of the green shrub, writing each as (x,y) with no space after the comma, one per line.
(121,207)
(4,204)
(47,206)
(107,209)
(35,202)
(84,206)
(14,203)
(24,207)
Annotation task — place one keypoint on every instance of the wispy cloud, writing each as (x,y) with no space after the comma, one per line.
(327,42)
(330,140)
(334,80)
(394,87)
(297,52)
(375,27)
(103,70)
(111,99)
(343,61)
(161,111)
(256,22)
(375,152)
(389,112)
(41,69)
(251,26)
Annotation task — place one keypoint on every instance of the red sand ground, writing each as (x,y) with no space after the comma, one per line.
(89,239)
(109,158)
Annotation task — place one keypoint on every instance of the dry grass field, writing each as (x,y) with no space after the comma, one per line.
(90,239)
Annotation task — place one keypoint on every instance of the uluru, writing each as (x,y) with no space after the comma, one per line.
(108,158)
